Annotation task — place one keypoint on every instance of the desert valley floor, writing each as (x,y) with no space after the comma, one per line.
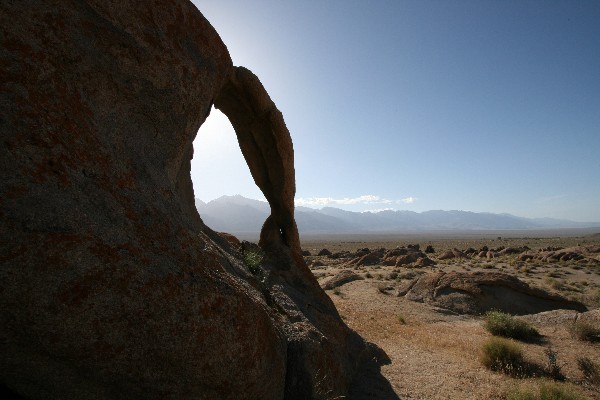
(434,351)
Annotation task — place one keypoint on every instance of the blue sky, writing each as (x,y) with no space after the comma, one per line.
(485,106)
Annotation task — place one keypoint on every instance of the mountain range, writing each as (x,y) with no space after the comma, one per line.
(237,214)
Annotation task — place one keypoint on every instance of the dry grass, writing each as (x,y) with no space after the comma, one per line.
(544,390)
(435,355)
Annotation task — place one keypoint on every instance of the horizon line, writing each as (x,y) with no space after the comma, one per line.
(376,211)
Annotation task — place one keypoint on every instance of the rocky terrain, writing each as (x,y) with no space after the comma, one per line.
(429,318)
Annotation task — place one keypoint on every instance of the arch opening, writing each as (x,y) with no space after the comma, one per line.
(225,194)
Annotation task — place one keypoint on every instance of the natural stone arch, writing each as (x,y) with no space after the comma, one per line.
(267,147)
(111,285)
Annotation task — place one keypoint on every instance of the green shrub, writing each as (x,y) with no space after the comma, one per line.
(502,324)
(502,355)
(585,331)
(253,260)
(545,391)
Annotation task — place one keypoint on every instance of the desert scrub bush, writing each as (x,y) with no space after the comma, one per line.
(401,319)
(253,260)
(553,369)
(584,331)
(502,324)
(502,355)
(525,270)
(556,284)
(589,369)
(545,390)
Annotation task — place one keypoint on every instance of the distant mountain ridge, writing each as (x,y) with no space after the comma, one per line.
(237,214)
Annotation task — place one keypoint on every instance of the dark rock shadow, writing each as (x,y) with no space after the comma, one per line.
(369,383)
(7,394)
(540,340)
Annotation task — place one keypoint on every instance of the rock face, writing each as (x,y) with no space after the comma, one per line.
(111,285)
(478,292)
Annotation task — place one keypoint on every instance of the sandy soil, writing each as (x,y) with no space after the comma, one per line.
(435,353)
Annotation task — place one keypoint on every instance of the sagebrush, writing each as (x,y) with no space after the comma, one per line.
(502,324)
(585,331)
(503,355)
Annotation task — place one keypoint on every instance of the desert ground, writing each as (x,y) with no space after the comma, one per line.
(435,352)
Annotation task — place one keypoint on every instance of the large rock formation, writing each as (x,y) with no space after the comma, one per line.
(111,285)
(478,292)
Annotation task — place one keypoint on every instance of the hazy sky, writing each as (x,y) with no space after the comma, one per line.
(486,106)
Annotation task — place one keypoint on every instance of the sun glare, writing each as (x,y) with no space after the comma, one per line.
(218,166)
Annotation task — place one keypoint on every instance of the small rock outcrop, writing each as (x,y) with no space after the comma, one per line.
(577,253)
(478,292)
(565,317)
(454,253)
(409,257)
(367,259)
(512,250)
(341,278)
(324,252)
(112,287)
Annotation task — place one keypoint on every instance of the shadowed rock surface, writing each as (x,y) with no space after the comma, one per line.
(478,292)
(112,286)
